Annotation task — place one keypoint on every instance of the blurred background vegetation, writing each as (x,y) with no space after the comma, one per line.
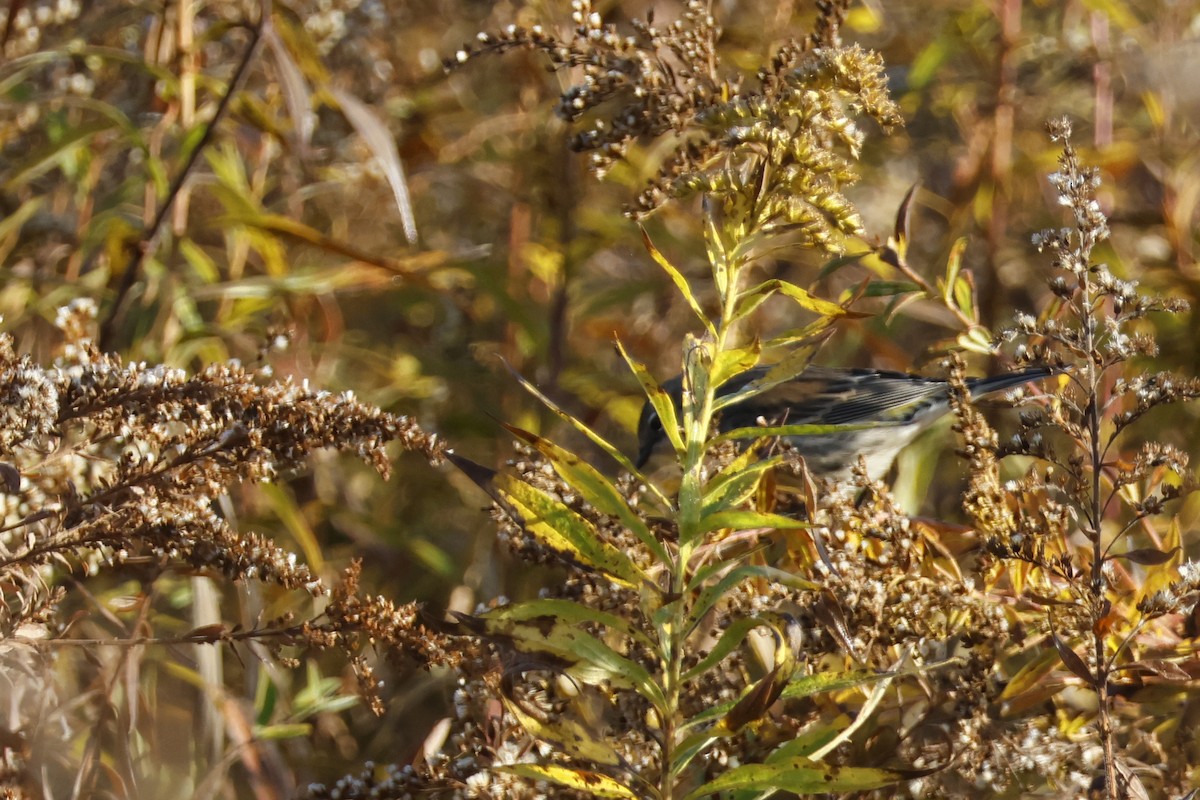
(292,225)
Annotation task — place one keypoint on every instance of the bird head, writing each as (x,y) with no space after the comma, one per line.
(650,431)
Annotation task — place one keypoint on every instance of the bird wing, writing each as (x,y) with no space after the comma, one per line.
(836,397)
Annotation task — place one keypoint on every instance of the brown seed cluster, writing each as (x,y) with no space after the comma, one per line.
(114,466)
(776,155)
(132,456)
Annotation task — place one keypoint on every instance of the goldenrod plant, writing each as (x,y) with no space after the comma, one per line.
(239,237)
(672,660)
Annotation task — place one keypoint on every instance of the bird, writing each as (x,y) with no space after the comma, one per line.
(891,409)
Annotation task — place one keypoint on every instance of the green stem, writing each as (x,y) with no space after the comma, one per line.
(690,503)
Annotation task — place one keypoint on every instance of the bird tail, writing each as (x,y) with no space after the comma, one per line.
(997,383)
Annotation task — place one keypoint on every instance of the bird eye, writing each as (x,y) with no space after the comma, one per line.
(656,424)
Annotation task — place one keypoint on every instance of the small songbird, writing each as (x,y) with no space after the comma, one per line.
(891,408)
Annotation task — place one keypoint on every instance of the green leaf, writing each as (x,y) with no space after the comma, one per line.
(977,340)
(594,488)
(837,262)
(802,297)
(889,288)
(736,483)
(710,594)
(692,746)
(1072,661)
(747,519)
(964,298)
(594,783)
(571,736)
(283,731)
(753,704)
(957,290)
(58,153)
(811,740)
(900,231)
(750,707)
(953,267)
(807,685)
(746,304)
(203,266)
(300,281)
(927,63)
(898,303)
(428,268)
(596,438)
(802,776)
(658,398)
(265,698)
(729,641)
(680,282)
(718,256)
(1147,556)
(15,86)
(567,611)
(795,362)
(590,661)
(321,695)
(798,336)
(562,530)
(133,135)
(1031,674)
(288,512)
(728,364)
(764,431)
(230,171)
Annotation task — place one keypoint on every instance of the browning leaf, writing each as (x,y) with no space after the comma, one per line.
(1072,661)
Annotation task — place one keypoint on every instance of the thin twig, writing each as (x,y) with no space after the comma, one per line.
(194,637)
(139,252)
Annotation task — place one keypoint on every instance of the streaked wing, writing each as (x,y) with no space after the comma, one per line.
(836,397)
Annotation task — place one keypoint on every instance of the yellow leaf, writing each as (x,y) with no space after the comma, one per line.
(802,297)
(558,527)
(568,734)
(594,487)
(1031,674)
(594,783)
(680,282)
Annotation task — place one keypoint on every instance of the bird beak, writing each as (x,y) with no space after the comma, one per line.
(643,455)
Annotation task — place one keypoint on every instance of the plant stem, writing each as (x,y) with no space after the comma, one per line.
(690,502)
(1096,511)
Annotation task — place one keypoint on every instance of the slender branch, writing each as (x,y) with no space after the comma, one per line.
(1110,665)
(139,252)
(897,259)
(1129,526)
(200,636)
(1093,422)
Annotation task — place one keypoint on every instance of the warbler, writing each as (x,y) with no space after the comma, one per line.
(892,408)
